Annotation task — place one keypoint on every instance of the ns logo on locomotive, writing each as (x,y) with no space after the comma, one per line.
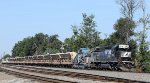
(114,57)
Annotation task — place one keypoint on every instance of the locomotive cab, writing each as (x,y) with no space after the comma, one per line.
(82,59)
(122,53)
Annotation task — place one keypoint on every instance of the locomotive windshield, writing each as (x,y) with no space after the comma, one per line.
(96,53)
(123,48)
(83,51)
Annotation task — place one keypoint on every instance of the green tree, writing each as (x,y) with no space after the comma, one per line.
(88,32)
(84,36)
(128,9)
(143,57)
(122,29)
(6,56)
(38,44)
(54,44)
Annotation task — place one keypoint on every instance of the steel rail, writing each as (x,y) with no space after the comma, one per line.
(34,77)
(76,75)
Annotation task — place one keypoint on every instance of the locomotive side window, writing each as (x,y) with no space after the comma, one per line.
(96,55)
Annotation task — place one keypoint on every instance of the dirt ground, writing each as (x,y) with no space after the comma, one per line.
(6,78)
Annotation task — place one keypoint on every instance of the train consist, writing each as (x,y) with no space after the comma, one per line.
(114,57)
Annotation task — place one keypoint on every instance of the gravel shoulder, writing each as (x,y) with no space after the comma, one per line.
(126,75)
(57,77)
(6,78)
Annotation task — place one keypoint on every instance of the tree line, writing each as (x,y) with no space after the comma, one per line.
(36,45)
(86,35)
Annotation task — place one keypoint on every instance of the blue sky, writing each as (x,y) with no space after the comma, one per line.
(23,18)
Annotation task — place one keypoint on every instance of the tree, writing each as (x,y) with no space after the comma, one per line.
(6,56)
(128,9)
(54,44)
(38,44)
(122,28)
(84,36)
(88,31)
(143,57)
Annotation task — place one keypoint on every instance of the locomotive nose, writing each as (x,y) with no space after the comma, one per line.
(126,54)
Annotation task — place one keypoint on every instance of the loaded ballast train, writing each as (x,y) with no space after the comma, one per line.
(115,57)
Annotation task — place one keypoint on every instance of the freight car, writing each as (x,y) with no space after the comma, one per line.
(58,59)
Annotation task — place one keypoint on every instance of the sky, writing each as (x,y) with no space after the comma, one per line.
(23,18)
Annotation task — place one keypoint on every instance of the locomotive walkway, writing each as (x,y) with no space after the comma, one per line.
(124,77)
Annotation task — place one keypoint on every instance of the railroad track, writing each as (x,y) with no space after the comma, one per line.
(35,77)
(75,74)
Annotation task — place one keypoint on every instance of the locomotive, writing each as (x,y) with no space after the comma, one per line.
(115,57)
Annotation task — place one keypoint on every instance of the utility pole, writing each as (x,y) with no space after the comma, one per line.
(36,52)
(62,48)
(3,55)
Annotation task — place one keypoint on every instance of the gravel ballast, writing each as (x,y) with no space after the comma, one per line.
(6,78)
(59,77)
(126,75)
